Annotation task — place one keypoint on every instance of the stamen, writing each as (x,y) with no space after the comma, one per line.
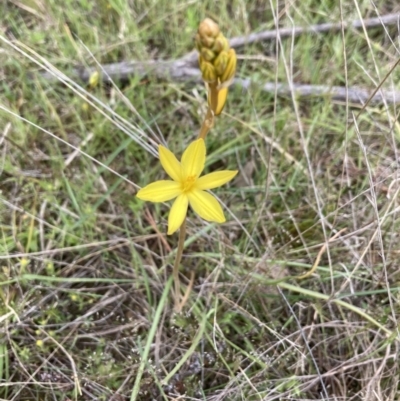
(187,184)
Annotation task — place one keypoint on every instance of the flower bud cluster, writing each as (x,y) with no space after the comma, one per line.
(216,59)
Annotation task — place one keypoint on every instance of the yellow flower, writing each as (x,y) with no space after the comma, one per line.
(187,187)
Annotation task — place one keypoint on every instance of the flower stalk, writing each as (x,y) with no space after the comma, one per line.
(175,272)
(218,66)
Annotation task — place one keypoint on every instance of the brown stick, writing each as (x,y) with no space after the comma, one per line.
(184,69)
(388,19)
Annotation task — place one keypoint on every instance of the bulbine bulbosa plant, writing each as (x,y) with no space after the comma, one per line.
(217,62)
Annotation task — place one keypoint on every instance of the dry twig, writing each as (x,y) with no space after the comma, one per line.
(185,68)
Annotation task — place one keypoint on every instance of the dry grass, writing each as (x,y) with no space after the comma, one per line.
(85,301)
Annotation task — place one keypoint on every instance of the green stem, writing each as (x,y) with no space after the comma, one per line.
(207,123)
(346,305)
(152,333)
(205,127)
(178,258)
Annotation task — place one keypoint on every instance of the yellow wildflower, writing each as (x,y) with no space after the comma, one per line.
(94,79)
(187,186)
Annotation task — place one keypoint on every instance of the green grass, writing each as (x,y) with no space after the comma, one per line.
(85,266)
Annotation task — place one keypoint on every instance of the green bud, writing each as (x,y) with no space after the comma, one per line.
(207,41)
(220,62)
(208,28)
(207,54)
(208,71)
(230,68)
(220,44)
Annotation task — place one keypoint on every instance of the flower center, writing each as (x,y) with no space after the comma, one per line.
(188,182)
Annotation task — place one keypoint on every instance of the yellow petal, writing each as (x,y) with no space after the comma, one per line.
(206,206)
(170,163)
(214,180)
(160,191)
(193,159)
(177,213)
